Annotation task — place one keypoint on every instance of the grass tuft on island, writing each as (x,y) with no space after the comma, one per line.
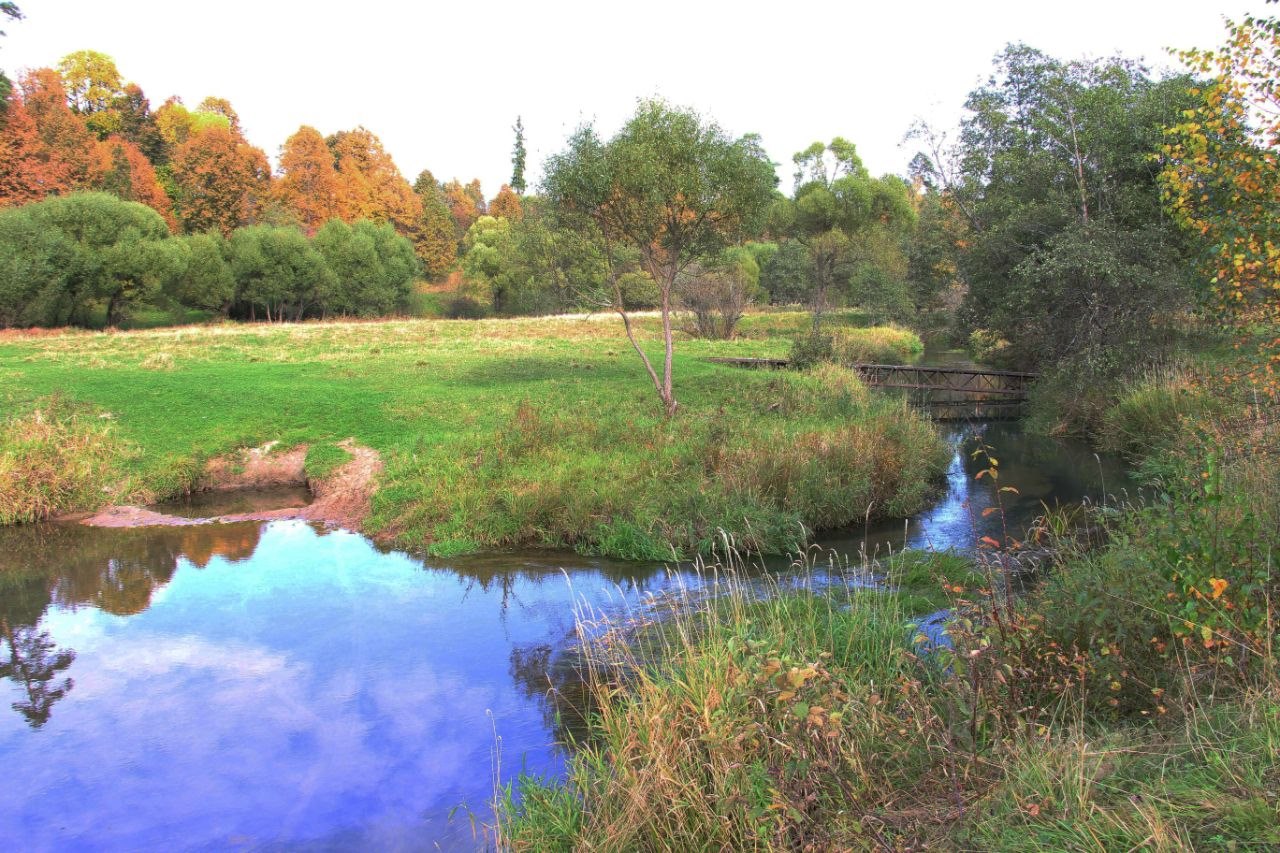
(495,433)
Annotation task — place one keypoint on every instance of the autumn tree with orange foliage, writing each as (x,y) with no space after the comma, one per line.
(1221,182)
(131,176)
(221,181)
(463,205)
(70,149)
(435,240)
(26,174)
(506,205)
(308,185)
(370,185)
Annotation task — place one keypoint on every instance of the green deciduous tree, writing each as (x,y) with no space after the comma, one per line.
(533,266)
(490,267)
(932,270)
(787,275)
(278,272)
(674,188)
(207,281)
(853,226)
(374,267)
(35,265)
(1053,157)
(67,253)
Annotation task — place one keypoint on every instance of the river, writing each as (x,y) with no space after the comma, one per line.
(285,686)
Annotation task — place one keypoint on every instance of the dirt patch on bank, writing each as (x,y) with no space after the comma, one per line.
(341,499)
(255,468)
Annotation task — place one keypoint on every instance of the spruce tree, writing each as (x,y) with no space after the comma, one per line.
(518,159)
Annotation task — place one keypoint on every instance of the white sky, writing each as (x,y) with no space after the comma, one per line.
(441,83)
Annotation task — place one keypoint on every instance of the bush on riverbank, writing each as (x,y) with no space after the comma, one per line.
(849,347)
(1150,415)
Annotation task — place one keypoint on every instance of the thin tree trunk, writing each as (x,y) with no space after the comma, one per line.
(662,386)
(648,365)
(1075,144)
(667,393)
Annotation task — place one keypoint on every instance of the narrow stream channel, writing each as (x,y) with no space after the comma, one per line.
(282,686)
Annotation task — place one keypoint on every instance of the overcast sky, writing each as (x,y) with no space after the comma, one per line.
(442,83)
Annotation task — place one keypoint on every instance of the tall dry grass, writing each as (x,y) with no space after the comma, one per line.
(753,718)
(55,458)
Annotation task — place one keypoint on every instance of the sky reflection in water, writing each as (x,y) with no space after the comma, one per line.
(301,687)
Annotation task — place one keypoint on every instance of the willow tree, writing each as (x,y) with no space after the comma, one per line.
(670,189)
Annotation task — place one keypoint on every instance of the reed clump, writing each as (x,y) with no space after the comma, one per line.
(752,720)
(55,458)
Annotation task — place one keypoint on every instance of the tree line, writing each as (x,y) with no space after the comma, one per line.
(1040,230)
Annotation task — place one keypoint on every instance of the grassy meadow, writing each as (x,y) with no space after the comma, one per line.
(494,433)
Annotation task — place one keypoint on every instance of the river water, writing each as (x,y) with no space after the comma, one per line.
(283,686)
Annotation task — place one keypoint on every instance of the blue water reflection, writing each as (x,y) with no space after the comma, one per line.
(311,691)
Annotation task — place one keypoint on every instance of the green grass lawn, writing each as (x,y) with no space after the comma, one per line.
(499,432)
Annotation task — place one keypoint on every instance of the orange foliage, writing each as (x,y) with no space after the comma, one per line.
(309,185)
(70,151)
(370,185)
(462,206)
(130,176)
(222,181)
(506,204)
(26,173)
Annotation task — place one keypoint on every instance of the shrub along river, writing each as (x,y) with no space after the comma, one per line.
(281,685)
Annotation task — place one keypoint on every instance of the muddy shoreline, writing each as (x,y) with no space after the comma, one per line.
(341,498)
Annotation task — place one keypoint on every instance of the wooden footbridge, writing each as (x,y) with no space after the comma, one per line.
(950,393)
